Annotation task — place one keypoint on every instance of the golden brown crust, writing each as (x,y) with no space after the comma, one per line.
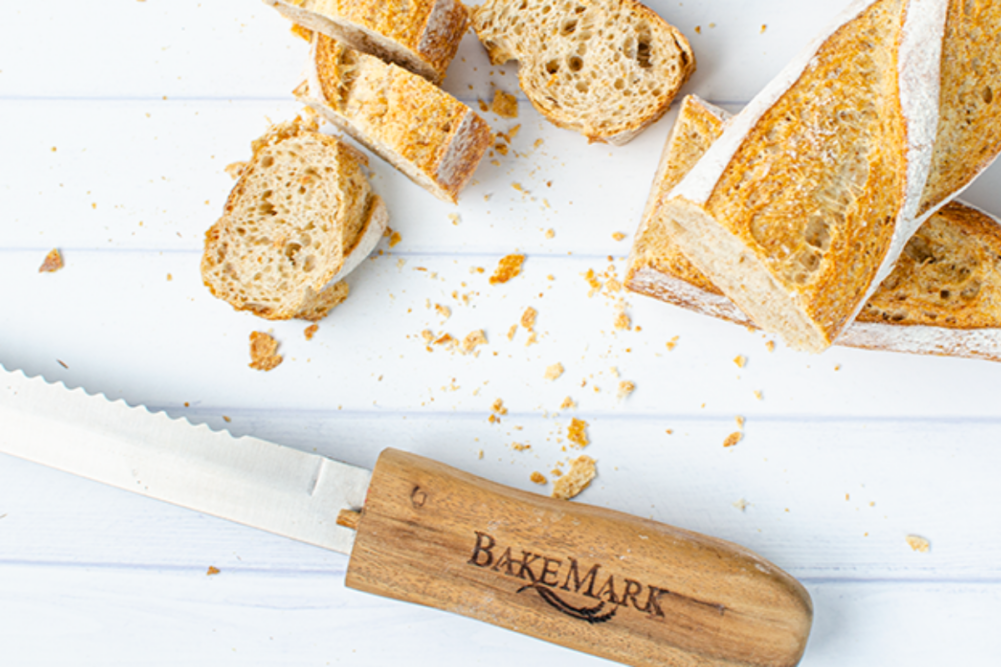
(822,222)
(263,350)
(970,100)
(53,262)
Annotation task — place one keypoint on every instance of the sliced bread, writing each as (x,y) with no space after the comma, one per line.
(433,138)
(301,216)
(419,35)
(801,207)
(604,68)
(942,297)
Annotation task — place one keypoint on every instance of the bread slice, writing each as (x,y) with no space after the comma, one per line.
(604,68)
(801,207)
(419,35)
(942,297)
(301,216)
(433,138)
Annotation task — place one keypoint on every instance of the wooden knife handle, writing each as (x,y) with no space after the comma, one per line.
(595,580)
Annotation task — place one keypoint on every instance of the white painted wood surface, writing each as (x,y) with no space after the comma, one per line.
(117,123)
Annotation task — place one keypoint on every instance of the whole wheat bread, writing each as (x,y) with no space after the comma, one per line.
(942,297)
(419,35)
(301,216)
(433,138)
(799,211)
(604,68)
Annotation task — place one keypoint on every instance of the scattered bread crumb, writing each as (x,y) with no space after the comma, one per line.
(512,331)
(498,407)
(480,455)
(770,346)
(918,543)
(504,105)
(262,351)
(454,217)
(235,169)
(550,233)
(508,267)
(740,421)
(577,432)
(582,471)
(394,238)
(212,570)
(520,447)
(733,439)
(53,262)
(618,236)
(567,404)
(554,371)
(758,395)
(764,27)
(622,321)
(740,504)
(740,360)
(626,387)
(311,331)
(538,478)
(444,311)
(473,339)
(528,318)
(673,343)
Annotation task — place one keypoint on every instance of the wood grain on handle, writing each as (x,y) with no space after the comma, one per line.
(595,580)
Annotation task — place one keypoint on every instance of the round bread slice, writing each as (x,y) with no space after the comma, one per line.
(301,216)
(607,69)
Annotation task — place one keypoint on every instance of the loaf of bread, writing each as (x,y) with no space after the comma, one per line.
(801,207)
(604,68)
(301,216)
(942,297)
(433,138)
(419,35)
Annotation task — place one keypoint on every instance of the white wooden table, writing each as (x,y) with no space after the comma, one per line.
(117,121)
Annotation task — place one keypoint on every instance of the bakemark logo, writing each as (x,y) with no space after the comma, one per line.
(546,576)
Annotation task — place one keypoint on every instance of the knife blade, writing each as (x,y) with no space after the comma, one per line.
(588,578)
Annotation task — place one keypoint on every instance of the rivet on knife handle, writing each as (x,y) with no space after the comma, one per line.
(595,580)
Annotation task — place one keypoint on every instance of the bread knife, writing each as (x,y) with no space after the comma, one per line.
(592,579)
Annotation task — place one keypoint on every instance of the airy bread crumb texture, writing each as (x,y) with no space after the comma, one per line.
(263,351)
(508,267)
(582,471)
(577,432)
(918,543)
(604,68)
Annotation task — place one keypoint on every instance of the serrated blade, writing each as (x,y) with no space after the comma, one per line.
(246,480)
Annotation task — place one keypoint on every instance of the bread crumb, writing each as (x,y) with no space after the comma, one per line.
(512,331)
(550,233)
(733,439)
(764,27)
(234,169)
(567,404)
(532,339)
(740,360)
(52,262)
(698,30)
(311,331)
(473,339)
(480,455)
(520,447)
(622,321)
(504,105)
(226,419)
(770,346)
(618,236)
(740,504)
(538,478)
(454,217)
(212,570)
(517,186)
(394,238)
(262,351)
(918,543)
(740,421)
(528,318)
(554,371)
(582,471)
(671,344)
(498,407)
(577,432)
(626,387)
(508,267)
(444,311)
(758,395)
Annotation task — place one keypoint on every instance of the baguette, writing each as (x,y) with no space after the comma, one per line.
(801,207)
(419,35)
(943,296)
(301,216)
(430,136)
(607,68)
